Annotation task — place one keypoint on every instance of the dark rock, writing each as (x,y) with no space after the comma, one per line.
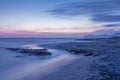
(42,53)
(19,56)
(81,51)
(39,52)
(13,49)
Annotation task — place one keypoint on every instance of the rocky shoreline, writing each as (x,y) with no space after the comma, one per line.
(103,59)
(106,57)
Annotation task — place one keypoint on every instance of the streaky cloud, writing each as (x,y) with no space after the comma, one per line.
(99,10)
(112,25)
(106,18)
(26,32)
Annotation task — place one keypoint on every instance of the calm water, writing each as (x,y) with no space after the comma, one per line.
(35,40)
(13,68)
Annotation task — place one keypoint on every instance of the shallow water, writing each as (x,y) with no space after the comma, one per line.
(14,68)
(21,68)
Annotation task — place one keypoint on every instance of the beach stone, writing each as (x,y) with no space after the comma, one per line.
(81,51)
(13,49)
(39,52)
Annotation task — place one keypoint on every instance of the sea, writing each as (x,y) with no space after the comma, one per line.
(15,68)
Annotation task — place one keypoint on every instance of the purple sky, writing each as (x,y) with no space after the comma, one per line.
(58,18)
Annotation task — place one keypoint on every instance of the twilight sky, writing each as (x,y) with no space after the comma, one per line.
(58,18)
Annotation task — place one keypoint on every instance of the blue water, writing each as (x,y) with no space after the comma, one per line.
(35,40)
(13,68)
